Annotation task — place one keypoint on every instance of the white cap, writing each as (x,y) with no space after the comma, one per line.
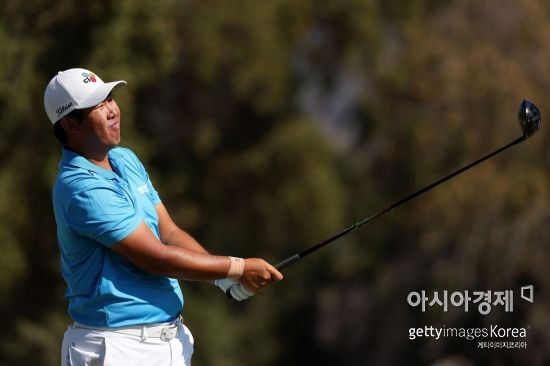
(75,89)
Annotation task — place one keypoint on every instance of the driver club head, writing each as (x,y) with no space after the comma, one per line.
(529,118)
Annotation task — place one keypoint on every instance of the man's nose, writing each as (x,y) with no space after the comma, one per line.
(112,107)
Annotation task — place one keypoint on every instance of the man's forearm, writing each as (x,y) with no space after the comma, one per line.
(188,264)
(180,238)
(171,234)
(144,250)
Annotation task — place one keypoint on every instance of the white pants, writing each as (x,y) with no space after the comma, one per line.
(97,347)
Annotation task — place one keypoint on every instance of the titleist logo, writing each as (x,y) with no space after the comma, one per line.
(63,108)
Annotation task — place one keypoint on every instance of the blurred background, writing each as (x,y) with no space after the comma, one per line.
(269,125)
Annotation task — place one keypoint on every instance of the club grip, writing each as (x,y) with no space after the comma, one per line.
(287,262)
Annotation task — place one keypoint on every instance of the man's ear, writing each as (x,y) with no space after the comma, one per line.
(70,125)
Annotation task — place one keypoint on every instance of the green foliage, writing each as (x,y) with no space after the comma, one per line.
(215,107)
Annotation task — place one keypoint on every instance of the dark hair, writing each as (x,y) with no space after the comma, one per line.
(59,131)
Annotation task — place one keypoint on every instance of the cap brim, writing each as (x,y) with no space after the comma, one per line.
(100,94)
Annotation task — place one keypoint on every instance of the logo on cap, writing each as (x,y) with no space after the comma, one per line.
(63,108)
(88,77)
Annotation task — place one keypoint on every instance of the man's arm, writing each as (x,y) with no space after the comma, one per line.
(171,234)
(145,251)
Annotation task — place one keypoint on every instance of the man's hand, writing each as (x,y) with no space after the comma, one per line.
(233,289)
(257,274)
(225,284)
(239,292)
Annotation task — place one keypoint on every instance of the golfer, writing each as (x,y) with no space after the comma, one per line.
(121,253)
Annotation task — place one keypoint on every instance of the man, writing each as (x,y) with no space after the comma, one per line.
(121,253)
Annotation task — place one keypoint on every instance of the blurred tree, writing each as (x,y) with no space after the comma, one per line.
(453,81)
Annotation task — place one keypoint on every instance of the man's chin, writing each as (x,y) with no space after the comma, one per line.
(115,142)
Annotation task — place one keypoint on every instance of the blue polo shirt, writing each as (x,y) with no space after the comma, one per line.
(94,209)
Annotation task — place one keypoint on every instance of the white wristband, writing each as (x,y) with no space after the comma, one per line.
(236,269)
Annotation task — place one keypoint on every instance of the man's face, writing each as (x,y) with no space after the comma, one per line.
(102,123)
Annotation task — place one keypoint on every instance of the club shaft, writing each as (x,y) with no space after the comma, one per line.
(297,257)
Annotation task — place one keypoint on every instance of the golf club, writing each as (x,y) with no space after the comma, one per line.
(529,119)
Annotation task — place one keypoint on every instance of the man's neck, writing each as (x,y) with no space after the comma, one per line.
(99,157)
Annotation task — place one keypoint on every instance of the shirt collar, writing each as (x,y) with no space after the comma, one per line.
(71,158)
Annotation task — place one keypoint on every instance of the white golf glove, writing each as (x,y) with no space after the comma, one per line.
(233,289)
(240,292)
(225,284)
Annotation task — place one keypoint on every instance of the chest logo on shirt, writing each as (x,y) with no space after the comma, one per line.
(143,189)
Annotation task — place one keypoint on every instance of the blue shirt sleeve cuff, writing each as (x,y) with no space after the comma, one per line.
(111,238)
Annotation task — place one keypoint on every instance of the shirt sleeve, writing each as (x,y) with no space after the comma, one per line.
(103,214)
(151,191)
